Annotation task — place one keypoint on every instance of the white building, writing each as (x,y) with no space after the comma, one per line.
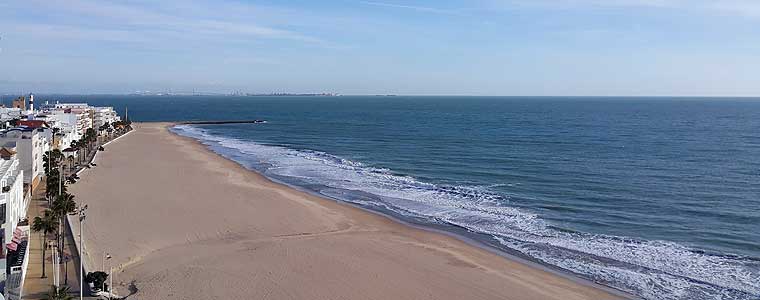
(73,120)
(30,145)
(104,115)
(67,124)
(13,205)
(62,106)
(66,136)
(83,118)
(80,114)
(14,239)
(9,113)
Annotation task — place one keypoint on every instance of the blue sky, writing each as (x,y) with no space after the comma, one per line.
(477,47)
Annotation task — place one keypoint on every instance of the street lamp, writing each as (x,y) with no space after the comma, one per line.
(56,270)
(63,239)
(82,216)
(110,283)
(107,257)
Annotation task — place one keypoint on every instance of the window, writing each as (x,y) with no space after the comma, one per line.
(2,213)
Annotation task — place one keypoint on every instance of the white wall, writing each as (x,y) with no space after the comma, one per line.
(15,204)
(68,125)
(30,146)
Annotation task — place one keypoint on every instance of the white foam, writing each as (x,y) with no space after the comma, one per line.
(651,269)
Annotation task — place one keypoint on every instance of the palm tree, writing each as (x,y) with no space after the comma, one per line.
(61,293)
(90,136)
(47,224)
(78,145)
(53,188)
(71,162)
(107,129)
(51,161)
(75,145)
(64,204)
(56,135)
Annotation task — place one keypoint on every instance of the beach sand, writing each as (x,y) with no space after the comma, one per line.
(185,223)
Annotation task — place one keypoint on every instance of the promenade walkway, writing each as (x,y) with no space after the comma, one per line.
(36,287)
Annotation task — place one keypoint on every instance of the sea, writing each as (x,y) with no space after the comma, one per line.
(657,197)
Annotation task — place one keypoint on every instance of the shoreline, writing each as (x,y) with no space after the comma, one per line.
(424,227)
(343,221)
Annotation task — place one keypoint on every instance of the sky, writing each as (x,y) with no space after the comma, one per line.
(446,47)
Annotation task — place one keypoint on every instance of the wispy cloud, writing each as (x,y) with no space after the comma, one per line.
(415,8)
(748,8)
(477,45)
(575,4)
(744,8)
(152,21)
(619,3)
(49,31)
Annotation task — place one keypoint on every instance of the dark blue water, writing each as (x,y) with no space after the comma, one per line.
(659,197)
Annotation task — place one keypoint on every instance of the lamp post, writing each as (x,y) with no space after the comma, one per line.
(82,216)
(107,259)
(60,179)
(49,171)
(63,231)
(103,261)
(65,264)
(55,257)
(110,284)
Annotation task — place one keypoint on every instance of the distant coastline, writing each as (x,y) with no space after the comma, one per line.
(7,95)
(148,93)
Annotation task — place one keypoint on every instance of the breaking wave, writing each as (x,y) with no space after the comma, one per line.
(649,269)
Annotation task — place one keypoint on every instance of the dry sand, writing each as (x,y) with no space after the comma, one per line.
(185,223)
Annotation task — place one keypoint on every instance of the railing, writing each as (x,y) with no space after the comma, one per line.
(14,283)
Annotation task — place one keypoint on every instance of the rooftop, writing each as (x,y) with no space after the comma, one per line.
(33,123)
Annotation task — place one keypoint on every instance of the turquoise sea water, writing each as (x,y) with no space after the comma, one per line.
(659,197)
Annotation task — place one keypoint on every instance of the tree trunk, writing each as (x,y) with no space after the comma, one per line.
(63,250)
(44,248)
(62,241)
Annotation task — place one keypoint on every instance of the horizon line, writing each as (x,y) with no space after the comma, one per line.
(380,95)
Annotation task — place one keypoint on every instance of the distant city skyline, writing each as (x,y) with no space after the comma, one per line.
(480,47)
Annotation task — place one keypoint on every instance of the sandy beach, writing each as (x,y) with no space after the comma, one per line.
(185,223)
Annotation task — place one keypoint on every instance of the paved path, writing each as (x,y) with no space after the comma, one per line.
(36,287)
